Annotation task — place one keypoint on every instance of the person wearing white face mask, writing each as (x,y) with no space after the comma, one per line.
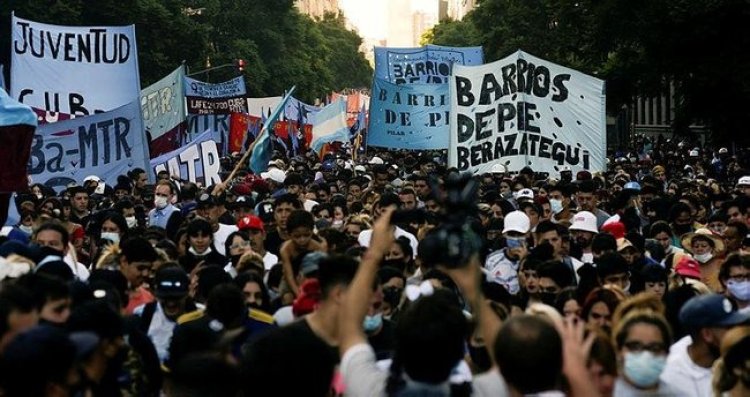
(642,340)
(114,227)
(126,208)
(707,249)
(165,215)
(559,201)
(735,276)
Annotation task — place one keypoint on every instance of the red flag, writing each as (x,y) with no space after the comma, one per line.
(281,129)
(238,126)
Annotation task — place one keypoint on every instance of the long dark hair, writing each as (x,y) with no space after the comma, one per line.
(430,340)
(253,277)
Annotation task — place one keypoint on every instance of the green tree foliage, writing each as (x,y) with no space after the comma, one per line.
(637,46)
(452,33)
(281,47)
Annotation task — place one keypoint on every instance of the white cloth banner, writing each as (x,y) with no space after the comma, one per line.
(197,162)
(73,70)
(262,107)
(525,111)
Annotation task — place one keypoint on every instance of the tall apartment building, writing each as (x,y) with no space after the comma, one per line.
(400,32)
(317,8)
(421,22)
(457,9)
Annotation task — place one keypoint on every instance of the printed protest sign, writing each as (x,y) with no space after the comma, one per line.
(106,144)
(197,162)
(523,110)
(429,64)
(73,70)
(215,98)
(409,116)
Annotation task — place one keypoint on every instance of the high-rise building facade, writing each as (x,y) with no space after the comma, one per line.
(317,8)
(457,9)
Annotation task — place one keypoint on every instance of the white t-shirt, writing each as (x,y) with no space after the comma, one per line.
(366,235)
(159,331)
(284,316)
(309,204)
(363,376)
(221,235)
(625,389)
(683,375)
(79,269)
(269,260)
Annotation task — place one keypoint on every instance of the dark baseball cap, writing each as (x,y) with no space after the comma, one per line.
(265,211)
(244,202)
(206,200)
(712,310)
(171,282)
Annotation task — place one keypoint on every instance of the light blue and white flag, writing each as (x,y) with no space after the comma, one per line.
(329,125)
(262,150)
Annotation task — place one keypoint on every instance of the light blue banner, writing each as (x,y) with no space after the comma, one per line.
(429,64)
(163,104)
(197,162)
(106,144)
(409,116)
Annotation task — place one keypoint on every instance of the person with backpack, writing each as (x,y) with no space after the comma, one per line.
(157,319)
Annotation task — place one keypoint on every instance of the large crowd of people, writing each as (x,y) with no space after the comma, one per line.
(332,276)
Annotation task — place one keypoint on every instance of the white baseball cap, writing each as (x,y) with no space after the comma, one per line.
(723,151)
(525,194)
(744,181)
(693,153)
(517,221)
(274,174)
(584,221)
(376,160)
(498,169)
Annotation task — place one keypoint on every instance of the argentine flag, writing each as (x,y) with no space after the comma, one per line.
(329,125)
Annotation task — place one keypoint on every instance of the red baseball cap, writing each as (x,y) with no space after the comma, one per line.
(688,267)
(250,222)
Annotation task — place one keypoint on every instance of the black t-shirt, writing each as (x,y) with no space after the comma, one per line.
(273,242)
(289,361)
(384,342)
(227,219)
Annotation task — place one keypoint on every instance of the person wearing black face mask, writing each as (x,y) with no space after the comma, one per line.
(553,277)
(393,282)
(237,244)
(681,221)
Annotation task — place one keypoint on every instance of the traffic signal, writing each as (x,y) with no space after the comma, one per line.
(240,64)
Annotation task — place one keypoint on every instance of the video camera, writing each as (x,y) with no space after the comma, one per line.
(453,242)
